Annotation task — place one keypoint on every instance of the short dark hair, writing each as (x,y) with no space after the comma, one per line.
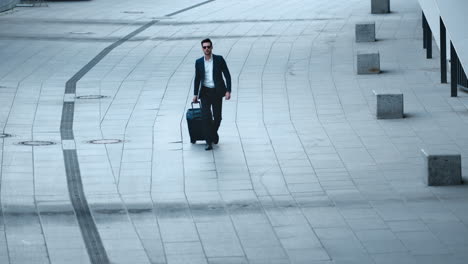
(207,40)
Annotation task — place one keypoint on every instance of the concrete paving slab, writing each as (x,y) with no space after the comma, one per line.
(303,172)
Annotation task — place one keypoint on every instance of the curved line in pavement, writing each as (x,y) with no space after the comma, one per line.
(91,237)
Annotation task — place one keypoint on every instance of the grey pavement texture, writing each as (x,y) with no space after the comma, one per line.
(303,173)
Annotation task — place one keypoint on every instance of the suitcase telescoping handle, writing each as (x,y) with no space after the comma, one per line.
(198,102)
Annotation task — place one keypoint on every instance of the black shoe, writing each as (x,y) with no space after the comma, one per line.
(216,139)
(209,147)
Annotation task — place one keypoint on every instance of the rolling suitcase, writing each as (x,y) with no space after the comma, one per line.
(194,123)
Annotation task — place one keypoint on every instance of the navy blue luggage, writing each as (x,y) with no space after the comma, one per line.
(194,123)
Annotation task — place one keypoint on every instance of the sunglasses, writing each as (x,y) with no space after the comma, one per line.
(206,47)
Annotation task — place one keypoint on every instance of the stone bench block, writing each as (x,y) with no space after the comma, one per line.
(368,63)
(389,105)
(365,32)
(380,6)
(442,169)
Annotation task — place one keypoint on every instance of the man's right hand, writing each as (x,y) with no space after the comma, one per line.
(195,99)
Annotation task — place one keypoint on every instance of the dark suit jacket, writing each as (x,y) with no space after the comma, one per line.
(219,69)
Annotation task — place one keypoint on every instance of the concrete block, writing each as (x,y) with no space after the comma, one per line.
(389,105)
(368,63)
(380,6)
(365,32)
(442,169)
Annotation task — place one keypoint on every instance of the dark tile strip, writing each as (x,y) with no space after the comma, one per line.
(161,23)
(89,231)
(9,20)
(112,39)
(94,246)
(91,237)
(70,86)
(66,126)
(190,7)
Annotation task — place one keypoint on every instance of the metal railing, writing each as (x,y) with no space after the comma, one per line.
(458,74)
(458,78)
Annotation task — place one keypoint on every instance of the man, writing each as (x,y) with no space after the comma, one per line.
(210,88)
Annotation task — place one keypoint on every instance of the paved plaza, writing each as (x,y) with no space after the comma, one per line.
(97,164)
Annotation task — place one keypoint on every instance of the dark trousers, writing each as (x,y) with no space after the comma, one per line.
(211,119)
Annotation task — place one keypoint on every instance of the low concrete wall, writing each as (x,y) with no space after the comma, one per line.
(7,4)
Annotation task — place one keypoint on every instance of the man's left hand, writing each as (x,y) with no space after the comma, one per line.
(227,96)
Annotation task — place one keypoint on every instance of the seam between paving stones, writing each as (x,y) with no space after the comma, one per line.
(152,155)
(32,155)
(216,168)
(274,149)
(90,233)
(337,153)
(183,161)
(214,157)
(14,67)
(123,145)
(117,180)
(360,138)
(300,140)
(162,23)
(234,227)
(224,205)
(153,203)
(2,215)
(183,173)
(266,130)
(403,199)
(75,178)
(244,153)
(96,252)
(113,98)
(34,177)
(1,173)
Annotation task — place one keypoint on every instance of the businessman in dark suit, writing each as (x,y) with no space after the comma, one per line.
(210,88)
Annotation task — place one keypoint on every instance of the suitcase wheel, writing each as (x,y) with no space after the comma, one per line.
(193,141)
